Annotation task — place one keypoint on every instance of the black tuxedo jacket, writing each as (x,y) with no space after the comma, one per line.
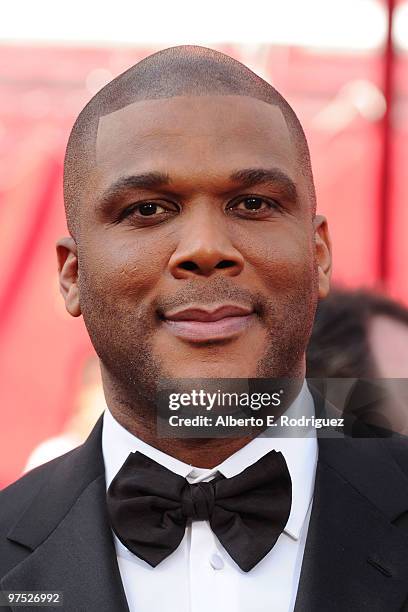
(54,532)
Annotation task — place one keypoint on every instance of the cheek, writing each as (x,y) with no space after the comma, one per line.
(282,258)
(123,268)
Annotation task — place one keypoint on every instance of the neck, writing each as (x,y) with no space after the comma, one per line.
(140,420)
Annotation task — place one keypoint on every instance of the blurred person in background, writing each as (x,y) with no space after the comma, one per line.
(88,406)
(362,336)
(195,249)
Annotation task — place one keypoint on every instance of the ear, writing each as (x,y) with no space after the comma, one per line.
(323,254)
(67,255)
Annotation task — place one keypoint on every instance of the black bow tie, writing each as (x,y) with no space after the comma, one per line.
(149,506)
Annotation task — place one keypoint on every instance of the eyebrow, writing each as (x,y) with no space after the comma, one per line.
(244,178)
(147,180)
(249,177)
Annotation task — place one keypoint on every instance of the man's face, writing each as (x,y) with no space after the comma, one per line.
(197,251)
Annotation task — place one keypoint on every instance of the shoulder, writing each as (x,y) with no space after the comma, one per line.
(15,498)
(34,505)
(59,477)
(397,447)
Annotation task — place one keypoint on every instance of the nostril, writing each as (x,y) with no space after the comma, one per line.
(189,265)
(206,267)
(225,264)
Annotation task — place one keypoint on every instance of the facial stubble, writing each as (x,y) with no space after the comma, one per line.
(123,338)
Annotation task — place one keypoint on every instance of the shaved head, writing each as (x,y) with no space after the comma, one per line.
(195,250)
(178,71)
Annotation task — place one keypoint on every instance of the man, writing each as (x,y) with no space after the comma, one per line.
(360,334)
(195,252)
(364,335)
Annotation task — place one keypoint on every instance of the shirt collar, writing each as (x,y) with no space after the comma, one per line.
(300,454)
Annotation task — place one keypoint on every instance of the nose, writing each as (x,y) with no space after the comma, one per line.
(205,248)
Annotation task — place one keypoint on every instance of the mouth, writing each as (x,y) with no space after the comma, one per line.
(204,324)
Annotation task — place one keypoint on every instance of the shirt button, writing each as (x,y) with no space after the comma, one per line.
(216,561)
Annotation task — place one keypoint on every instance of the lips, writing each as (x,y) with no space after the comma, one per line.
(202,324)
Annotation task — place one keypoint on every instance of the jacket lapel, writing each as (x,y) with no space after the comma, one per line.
(355,557)
(66,529)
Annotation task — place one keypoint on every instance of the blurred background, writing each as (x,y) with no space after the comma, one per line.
(343,66)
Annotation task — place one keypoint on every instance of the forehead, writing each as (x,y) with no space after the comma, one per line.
(193,135)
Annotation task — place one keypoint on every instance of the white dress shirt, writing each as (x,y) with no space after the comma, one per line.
(200,576)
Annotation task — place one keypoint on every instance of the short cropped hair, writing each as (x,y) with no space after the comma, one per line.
(186,70)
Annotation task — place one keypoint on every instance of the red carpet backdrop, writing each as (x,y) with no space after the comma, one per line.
(353,103)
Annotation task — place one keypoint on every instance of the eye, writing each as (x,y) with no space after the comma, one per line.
(147,212)
(253,206)
(147,209)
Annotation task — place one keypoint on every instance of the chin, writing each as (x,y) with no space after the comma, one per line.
(216,370)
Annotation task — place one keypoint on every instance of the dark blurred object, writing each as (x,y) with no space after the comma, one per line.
(362,336)
(344,338)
